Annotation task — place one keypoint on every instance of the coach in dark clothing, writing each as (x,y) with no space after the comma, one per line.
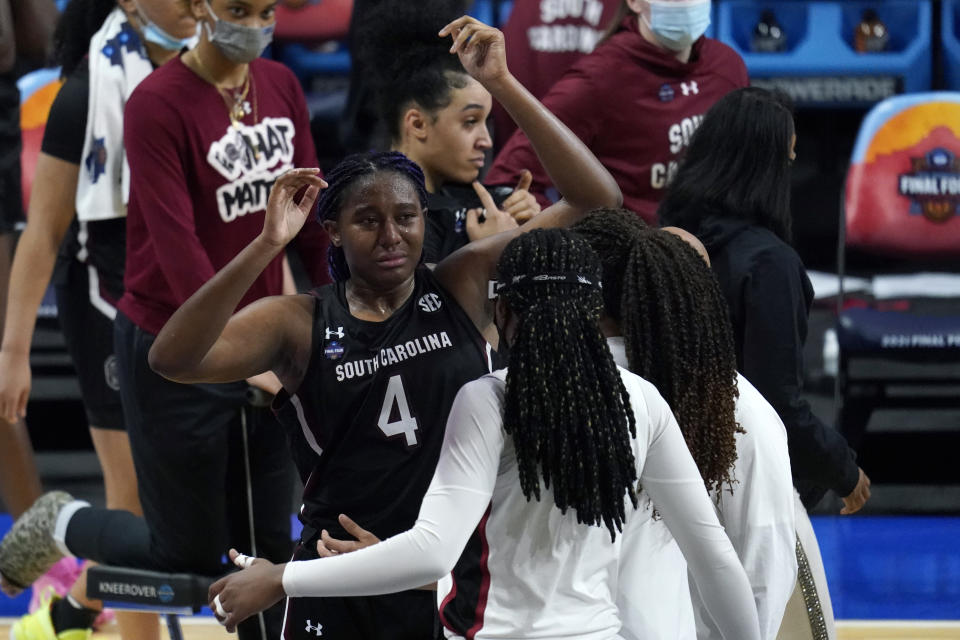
(733,191)
(769,295)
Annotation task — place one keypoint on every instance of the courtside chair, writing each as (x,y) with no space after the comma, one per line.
(899,344)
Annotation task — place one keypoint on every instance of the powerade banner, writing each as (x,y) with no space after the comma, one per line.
(903,187)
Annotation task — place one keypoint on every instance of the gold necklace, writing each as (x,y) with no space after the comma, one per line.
(237,109)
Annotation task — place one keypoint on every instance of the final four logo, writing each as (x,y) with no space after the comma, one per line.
(934,185)
(334,350)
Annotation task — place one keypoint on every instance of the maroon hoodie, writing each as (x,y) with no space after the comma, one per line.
(636,106)
(544,38)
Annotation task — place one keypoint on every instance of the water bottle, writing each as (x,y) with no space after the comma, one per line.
(768,35)
(871,35)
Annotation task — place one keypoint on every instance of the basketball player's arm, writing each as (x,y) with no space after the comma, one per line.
(674,483)
(50,212)
(572,167)
(204,341)
(49,215)
(573,99)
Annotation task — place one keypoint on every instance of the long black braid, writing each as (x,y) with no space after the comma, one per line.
(676,331)
(348,173)
(566,406)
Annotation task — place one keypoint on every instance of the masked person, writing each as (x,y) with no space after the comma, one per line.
(636,99)
(206,135)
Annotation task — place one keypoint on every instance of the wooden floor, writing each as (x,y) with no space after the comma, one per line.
(871,630)
(207,629)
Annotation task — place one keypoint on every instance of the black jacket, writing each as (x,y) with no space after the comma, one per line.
(769,295)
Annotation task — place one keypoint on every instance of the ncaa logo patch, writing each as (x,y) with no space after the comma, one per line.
(333,351)
(111,374)
(666,93)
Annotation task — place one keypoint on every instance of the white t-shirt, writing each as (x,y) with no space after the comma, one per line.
(547,575)
(758,517)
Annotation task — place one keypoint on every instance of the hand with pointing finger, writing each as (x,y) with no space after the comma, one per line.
(521,204)
(489,221)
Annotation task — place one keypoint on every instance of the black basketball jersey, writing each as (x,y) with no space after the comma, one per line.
(367,422)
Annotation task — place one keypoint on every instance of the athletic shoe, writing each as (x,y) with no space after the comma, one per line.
(39,626)
(60,578)
(29,550)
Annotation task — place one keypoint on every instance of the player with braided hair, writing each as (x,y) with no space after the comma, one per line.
(667,321)
(565,413)
(543,457)
(657,297)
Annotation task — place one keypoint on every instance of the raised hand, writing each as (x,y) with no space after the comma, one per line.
(286,213)
(15,378)
(480,48)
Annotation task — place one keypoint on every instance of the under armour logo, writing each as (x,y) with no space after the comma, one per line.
(339,333)
(689,87)
(318,628)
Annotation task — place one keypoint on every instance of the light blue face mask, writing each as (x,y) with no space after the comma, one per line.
(156,35)
(238,43)
(677,25)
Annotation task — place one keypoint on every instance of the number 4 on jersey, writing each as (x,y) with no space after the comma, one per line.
(407,424)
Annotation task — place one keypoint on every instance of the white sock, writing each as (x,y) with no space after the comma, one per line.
(63,520)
